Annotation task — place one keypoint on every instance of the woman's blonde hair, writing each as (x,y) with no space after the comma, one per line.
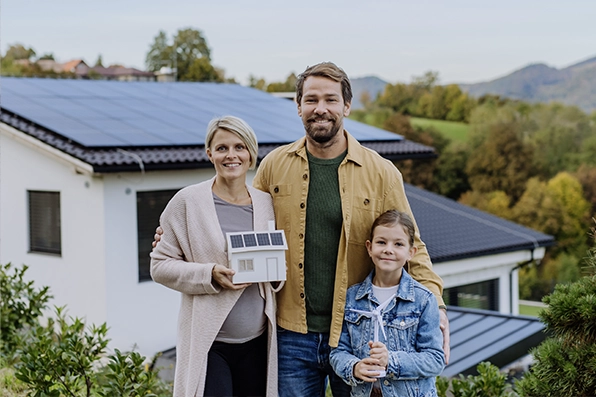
(238,127)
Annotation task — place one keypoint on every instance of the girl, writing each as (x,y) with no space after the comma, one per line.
(391,324)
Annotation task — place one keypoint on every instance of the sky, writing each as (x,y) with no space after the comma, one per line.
(464,41)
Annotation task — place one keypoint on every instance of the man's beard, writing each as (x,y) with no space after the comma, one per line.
(321,134)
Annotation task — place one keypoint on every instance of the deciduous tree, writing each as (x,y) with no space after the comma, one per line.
(188,53)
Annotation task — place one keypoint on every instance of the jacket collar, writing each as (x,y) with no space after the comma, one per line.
(404,292)
(355,149)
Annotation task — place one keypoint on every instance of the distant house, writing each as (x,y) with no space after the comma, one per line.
(257,256)
(88,166)
(81,70)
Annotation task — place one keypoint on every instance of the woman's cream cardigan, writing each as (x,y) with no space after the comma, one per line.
(191,245)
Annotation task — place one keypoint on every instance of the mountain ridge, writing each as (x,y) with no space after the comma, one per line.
(573,85)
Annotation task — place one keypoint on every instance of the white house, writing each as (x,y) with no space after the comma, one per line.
(86,167)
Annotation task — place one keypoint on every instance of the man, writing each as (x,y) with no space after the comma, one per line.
(327,190)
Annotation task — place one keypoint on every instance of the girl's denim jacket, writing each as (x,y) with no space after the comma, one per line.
(414,339)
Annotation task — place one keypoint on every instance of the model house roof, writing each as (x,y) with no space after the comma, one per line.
(455,231)
(259,240)
(112,125)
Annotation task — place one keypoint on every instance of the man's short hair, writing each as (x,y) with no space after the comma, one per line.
(330,71)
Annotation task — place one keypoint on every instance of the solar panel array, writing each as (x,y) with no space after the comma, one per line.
(137,114)
(260,239)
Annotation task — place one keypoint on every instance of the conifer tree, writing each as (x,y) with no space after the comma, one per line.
(566,360)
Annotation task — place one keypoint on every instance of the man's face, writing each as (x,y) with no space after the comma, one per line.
(322,108)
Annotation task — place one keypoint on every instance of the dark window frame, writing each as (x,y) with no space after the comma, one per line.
(45,224)
(150,205)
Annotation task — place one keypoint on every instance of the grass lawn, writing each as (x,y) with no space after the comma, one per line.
(456,131)
(529,310)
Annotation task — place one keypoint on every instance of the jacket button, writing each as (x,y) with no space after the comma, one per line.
(302,205)
(305,176)
(366,201)
(402,323)
(301,235)
(300,266)
(386,383)
(276,190)
(302,295)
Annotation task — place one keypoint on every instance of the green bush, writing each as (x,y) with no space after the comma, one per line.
(489,382)
(64,358)
(20,307)
(565,363)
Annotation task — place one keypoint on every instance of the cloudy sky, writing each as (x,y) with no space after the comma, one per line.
(464,40)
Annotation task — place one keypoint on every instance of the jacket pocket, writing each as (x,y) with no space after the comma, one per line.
(282,202)
(364,212)
(402,330)
(358,327)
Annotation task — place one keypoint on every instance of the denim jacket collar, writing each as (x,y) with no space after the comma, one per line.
(405,290)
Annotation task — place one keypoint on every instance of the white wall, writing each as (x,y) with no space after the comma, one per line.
(76,277)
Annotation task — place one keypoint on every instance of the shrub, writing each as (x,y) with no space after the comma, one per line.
(489,382)
(565,363)
(64,358)
(20,307)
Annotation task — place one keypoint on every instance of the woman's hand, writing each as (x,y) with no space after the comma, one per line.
(223,276)
(157,236)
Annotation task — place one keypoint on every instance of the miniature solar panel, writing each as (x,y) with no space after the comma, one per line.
(277,239)
(250,240)
(236,241)
(125,114)
(263,238)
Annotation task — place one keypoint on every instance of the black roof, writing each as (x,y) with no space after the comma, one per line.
(483,335)
(454,231)
(114,126)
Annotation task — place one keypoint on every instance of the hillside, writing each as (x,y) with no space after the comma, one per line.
(573,85)
(371,84)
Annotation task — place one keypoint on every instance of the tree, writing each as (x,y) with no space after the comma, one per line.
(287,86)
(501,162)
(258,83)
(188,53)
(18,51)
(99,61)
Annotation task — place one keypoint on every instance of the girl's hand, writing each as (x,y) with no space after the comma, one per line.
(223,276)
(379,352)
(367,370)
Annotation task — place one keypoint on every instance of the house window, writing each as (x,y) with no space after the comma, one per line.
(44,222)
(483,295)
(150,205)
(246,265)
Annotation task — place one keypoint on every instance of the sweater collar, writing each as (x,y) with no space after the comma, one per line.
(355,149)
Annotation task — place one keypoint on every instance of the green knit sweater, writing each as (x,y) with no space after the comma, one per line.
(323,229)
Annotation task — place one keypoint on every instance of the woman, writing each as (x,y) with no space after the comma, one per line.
(226,332)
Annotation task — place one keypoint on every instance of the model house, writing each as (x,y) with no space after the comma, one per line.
(87,167)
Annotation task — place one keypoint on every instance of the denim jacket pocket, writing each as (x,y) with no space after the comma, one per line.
(359,330)
(402,329)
